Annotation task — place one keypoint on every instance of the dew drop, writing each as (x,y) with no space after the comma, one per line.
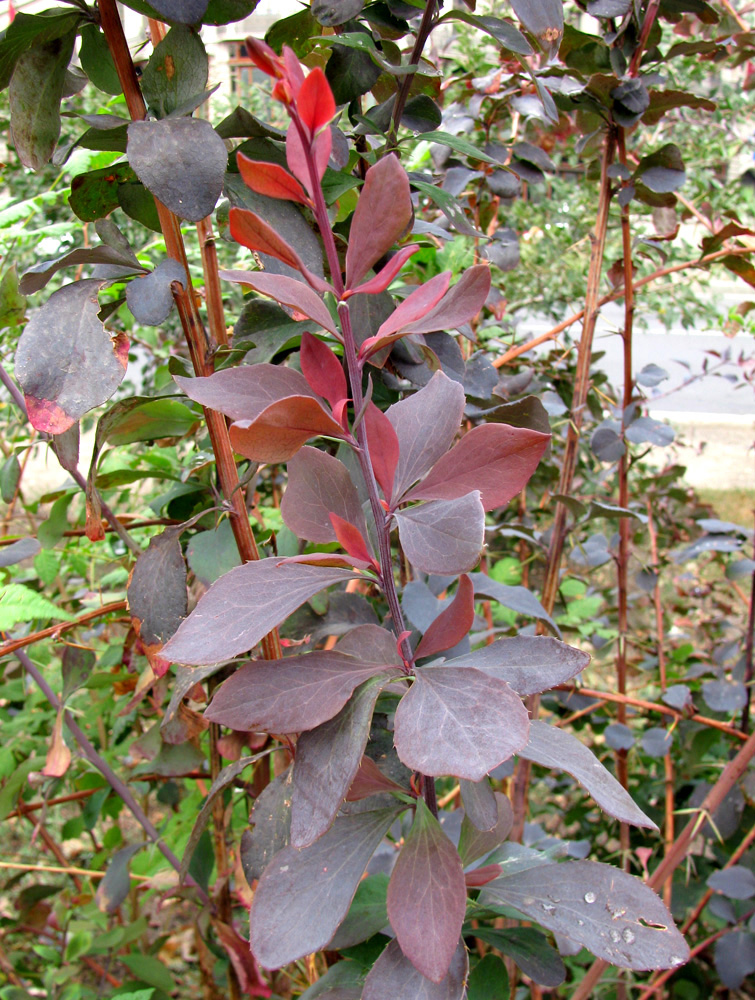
(628,936)
(580,923)
(615,936)
(528,900)
(590,897)
(548,907)
(284,868)
(675,960)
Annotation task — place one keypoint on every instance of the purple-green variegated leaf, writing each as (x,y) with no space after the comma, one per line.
(495,459)
(613,914)
(293,694)
(475,843)
(382,216)
(443,536)
(530,663)
(460,722)
(427,897)
(554,748)
(287,291)
(327,760)
(319,485)
(393,977)
(243,393)
(244,605)
(426,424)
(304,894)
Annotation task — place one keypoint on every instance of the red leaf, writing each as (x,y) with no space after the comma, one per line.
(386,274)
(427,896)
(417,304)
(242,960)
(382,442)
(315,103)
(288,291)
(251,231)
(281,429)
(293,70)
(452,624)
(383,214)
(370,780)
(322,370)
(481,876)
(351,539)
(460,305)
(297,157)
(496,459)
(263,56)
(270,179)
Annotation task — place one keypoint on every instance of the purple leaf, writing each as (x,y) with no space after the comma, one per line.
(372,643)
(480,806)
(281,429)
(319,485)
(443,536)
(613,914)
(519,599)
(271,823)
(383,214)
(427,897)
(426,424)
(157,595)
(290,695)
(553,748)
(452,624)
(459,305)
(475,843)
(243,393)
(459,722)
(243,606)
(496,459)
(181,161)
(530,663)
(287,291)
(327,760)
(393,977)
(66,361)
(304,894)
(150,298)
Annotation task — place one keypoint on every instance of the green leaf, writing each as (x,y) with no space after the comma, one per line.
(460,145)
(421,114)
(177,71)
(96,193)
(26,30)
(137,202)
(448,204)
(21,604)
(507,36)
(10,476)
(351,70)
(36,89)
(12,302)
(295,31)
(96,60)
(51,531)
(488,980)
(150,970)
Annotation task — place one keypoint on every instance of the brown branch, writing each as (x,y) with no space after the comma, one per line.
(28,640)
(617,293)
(569,461)
(726,781)
(653,706)
(33,806)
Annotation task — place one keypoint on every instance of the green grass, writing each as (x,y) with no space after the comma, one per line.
(735,505)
